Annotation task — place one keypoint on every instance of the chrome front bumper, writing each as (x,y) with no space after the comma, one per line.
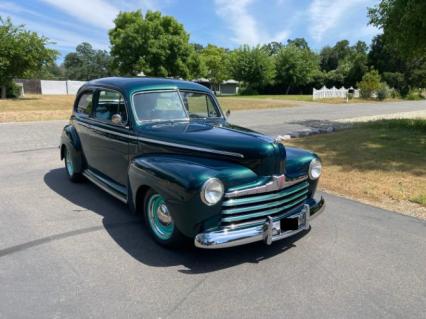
(267,232)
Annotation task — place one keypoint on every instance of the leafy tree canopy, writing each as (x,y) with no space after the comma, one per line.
(86,63)
(22,52)
(252,65)
(404,25)
(216,62)
(154,44)
(295,66)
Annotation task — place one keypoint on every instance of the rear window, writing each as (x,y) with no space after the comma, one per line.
(85,104)
(110,103)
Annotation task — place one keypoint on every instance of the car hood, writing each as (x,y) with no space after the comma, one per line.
(215,140)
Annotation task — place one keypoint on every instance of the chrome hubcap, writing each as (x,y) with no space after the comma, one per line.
(164,215)
(160,220)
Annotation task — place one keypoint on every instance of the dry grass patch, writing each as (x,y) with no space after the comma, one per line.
(381,163)
(36,108)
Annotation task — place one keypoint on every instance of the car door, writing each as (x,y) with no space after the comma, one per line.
(109,154)
(83,120)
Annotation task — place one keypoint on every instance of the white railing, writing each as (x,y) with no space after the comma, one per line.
(325,93)
(60,87)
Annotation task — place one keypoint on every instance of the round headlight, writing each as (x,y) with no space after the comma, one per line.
(212,191)
(315,168)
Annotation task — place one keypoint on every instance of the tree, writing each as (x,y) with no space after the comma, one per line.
(299,42)
(272,48)
(404,25)
(253,66)
(86,63)
(50,71)
(295,67)
(370,83)
(331,56)
(196,65)
(216,62)
(21,53)
(400,72)
(344,64)
(155,44)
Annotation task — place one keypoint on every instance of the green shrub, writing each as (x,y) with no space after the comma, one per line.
(12,90)
(414,94)
(394,93)
(370,83)
(383,92)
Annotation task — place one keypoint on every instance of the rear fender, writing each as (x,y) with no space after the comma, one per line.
(71,141)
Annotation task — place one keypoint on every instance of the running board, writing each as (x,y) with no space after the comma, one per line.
(104,185)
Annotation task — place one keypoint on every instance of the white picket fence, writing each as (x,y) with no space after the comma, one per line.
(325,93)
(60,87)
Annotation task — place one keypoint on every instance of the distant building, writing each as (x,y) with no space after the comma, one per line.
(228,87)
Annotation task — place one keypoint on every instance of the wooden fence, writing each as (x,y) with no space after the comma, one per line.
(325,93)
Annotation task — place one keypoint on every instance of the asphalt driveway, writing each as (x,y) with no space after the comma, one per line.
(70,250)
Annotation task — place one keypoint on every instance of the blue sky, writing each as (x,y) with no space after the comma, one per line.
(228,23)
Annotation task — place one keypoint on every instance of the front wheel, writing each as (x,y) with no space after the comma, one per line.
(70,167)
(160,222)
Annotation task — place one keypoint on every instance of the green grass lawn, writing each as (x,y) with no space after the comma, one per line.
(382,162)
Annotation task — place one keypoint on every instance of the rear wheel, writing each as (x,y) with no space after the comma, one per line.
(160,222)
(70,166)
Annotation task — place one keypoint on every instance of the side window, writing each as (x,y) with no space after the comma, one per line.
(199,105)
(85,104)
(110,103)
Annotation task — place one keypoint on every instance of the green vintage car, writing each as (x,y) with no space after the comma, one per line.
(165,148)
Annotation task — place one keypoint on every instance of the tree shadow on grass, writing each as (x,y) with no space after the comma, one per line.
(130,234)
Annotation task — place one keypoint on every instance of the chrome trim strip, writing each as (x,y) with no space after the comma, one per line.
(259,221)
(195,148)
(149,140)
(225,238)
(263,206)
(103,185)
(261,198)
(230,219)
(277,183)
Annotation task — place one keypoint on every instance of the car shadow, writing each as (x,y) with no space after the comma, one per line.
(129,232)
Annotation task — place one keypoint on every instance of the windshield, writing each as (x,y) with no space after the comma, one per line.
(159,106)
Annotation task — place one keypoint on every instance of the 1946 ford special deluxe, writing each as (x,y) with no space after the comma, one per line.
(165,148)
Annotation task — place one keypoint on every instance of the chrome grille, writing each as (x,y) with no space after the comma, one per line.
(255,208)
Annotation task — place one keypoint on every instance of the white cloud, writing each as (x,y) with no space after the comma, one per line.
(325,15)
(98,13)
(244,26)
(60,35)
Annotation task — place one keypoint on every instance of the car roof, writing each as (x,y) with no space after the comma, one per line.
(130,85)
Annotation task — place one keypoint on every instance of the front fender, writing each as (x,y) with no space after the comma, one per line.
(297,164)
(179,178)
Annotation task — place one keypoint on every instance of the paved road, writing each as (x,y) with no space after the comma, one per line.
(70,251)
(281,121)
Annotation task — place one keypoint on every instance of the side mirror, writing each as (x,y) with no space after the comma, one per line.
(116,119)
(228,113)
